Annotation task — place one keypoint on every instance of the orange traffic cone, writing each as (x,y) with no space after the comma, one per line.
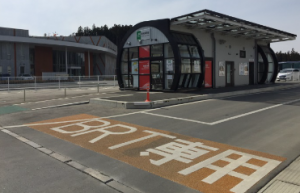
(148,94)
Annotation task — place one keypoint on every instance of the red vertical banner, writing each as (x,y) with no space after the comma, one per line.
(144,82)
(144,52)
(144,69)
(208,74)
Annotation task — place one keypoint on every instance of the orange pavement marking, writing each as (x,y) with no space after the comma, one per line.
(154,154)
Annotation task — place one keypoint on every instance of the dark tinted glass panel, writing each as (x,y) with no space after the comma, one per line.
(196,66)
(184,38)
(185,66)
(168,51)
(133,53)
(183,49)
(125,55)
(170,66)
(124,68)
(194,52)
(157,50)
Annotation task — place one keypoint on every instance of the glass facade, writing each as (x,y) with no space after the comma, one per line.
(190,61)
(267,66)
(270,64)
(152,64)
(155,65)
(75,62)
(261,68)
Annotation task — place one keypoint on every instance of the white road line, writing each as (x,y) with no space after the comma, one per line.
(227,119)
(49,123)
(121,115)
(188,103)
(253,112)
(177,118)
(67,104)
(147,112)
(119,96)
(61,98)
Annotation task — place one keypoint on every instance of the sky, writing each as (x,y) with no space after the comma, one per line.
(65,16)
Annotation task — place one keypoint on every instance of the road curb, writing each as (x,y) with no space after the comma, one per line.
(181,100)
(68,161)
(287,180)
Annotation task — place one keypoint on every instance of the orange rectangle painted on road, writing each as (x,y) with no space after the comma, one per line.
(199,164)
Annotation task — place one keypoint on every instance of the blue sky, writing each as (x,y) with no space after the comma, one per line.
(65,16)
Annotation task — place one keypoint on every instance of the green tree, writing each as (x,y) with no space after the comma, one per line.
(288,56)
(114,34)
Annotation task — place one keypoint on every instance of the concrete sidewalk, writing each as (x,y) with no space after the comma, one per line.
(135,99)
(286,181)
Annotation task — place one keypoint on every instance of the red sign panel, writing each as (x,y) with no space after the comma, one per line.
(208,74)
(144,67)
(144,82)
(144,52)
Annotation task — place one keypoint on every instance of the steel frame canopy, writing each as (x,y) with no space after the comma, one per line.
(213,21)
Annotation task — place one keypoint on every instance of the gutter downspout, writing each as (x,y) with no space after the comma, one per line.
(15,55)
(255,64)
(89,63)
(66,59)
(214,59)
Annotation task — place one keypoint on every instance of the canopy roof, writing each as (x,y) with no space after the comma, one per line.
(217,22)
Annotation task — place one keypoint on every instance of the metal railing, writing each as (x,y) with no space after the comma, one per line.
(47,82)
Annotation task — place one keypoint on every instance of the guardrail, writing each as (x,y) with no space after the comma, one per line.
(46,82)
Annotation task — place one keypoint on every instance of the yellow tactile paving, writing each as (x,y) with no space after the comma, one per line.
(199,164)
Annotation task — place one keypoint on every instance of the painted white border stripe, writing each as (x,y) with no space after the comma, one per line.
(177,118)
(71,121)
(49,123)
(147,112)
(223,120)
(62,105)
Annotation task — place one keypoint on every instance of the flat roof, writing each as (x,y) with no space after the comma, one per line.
(51,42)
(213,21)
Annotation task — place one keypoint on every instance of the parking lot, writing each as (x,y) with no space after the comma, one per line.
(234,144)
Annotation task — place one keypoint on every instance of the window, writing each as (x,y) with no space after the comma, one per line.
(8,51)
(22,51)
(194,52)
(157,50)
(242,54)
(168,51)
(183,49)
(9,70)
(133,53)
(22,70)
(261,68)
(125,55)
(196,66)
(129,67)
(144,52)
(185,66)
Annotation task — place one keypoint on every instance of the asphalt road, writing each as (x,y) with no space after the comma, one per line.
(267,123)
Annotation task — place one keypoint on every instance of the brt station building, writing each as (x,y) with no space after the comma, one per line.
(200,49)
(55,55)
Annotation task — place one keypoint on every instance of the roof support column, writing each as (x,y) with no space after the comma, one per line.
(255,63)
(214,59)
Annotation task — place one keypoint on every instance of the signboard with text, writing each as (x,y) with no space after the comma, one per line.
(144,67)
(143,34)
